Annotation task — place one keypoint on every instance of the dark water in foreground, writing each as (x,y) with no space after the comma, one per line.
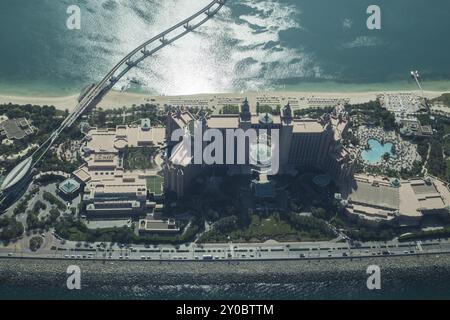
(317,290)
(402,278)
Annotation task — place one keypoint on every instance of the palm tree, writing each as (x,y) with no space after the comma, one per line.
(393,149)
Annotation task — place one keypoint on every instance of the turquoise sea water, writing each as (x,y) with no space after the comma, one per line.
(377,151)
(320,45)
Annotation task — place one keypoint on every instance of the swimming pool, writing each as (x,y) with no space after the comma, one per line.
(376,151)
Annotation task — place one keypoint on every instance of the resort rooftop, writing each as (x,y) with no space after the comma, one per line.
(155,226)
(113,140)
(16,128)
(307,126)
(223,121)
(376,195)
(132,185)
(421,196)
(371,196)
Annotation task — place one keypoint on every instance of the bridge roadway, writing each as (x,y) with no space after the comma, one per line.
(145,50)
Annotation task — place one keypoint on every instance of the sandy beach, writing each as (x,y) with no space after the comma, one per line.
(116,99)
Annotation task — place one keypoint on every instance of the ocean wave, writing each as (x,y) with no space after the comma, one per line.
(364,41)
(210,60)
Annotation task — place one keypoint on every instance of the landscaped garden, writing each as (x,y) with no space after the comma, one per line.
(274,227)
(139,158)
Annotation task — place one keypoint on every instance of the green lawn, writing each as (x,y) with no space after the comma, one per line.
(261,229)
(265,227)
(155,184)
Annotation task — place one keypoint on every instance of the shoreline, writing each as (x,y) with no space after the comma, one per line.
(229,260)
(117,99)
(164,272)
(402,276)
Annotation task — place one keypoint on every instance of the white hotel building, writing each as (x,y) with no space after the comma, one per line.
(303,143)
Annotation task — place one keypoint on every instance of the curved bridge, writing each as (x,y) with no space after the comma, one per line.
(142,52)
(95,93)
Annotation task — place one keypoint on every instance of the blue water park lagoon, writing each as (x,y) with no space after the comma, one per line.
(374,154)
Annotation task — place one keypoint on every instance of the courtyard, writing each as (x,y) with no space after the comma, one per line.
(139,158)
